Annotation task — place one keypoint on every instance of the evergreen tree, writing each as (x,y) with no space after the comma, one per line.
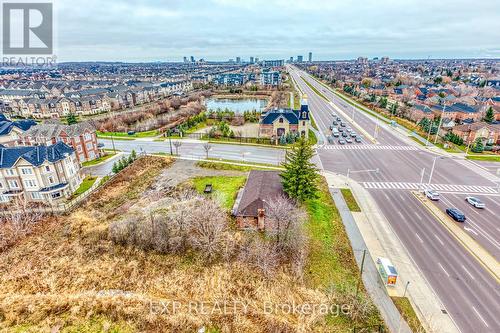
(133,154)
(300,176)
(115,168)
(478,146)
(71,119)
(489,116)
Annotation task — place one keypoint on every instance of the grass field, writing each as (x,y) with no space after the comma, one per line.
(146,134)
(408,313)
(225,188)
(86,184)
(98,160)
(486,158)
(226,166)
(350,200)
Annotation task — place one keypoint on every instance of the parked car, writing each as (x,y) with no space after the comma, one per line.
(348,140)
(336,134)
(344,134)
(341,129)
(475,202)
(343,124)
(357,139)
(342,141)
(455,214)
(353,134)
(335,123)
(431,194)
(330,139)
(338,119)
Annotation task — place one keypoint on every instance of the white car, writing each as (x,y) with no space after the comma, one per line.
(475,202)
(431,194)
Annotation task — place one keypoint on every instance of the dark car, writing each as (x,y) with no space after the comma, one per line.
(345,135)
(338,119)
(456,214)
(335,123)
(343,124)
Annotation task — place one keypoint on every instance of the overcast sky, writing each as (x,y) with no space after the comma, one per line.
(154,30)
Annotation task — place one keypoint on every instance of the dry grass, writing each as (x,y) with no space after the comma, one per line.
(69,277)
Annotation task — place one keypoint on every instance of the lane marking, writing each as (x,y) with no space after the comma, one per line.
(444,270)
(439,239)
(470,230)
(465,269)
(480,317)
(418,236)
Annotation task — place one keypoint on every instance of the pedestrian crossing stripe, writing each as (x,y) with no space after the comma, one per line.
(367,147)
(437,187)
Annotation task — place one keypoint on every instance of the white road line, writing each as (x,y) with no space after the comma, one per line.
(420,239)
(439,239)
(480,317)
(465,269)
(444,270)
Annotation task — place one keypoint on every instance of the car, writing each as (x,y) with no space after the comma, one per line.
(336,134)
(342,141)
(353,134)
(330,139)
(335,123)
(341,129)
(431,194)
(455,214)
(357,139)
(338,119)
(343,124)
(344,134)
(331,128)
(348,140)
(475,202)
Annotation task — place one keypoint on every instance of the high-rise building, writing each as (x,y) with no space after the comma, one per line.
(300,58)
(256,59)
(192,59)
(291,59)
(185,59)
(310,56)
(251,60)
(238,60)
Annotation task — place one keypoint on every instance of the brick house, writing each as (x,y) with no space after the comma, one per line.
(471,132)
(250,206)
(81,137)
(278,122)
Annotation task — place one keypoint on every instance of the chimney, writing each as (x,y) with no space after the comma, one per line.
(261,219)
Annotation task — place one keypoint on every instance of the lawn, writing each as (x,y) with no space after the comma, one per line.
(312,138)
(331,262)
(406,310)
(98,160)
(487,158)
(86,184)
(350,200)
(227,166)
(225,187)
(146,134)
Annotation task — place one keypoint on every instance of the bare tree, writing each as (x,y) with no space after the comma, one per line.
(207,147)
(177,145)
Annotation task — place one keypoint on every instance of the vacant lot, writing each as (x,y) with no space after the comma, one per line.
(70,277)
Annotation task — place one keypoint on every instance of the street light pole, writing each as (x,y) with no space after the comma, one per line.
(432,169)
(422,173)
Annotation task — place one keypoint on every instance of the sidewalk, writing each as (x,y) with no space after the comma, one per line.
(381,241)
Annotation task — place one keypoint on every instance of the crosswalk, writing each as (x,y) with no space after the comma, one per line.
(437,187)
(367,147)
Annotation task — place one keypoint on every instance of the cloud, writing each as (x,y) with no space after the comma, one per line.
(220,29)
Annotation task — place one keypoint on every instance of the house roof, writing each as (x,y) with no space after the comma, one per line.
(51,130)
(35,155)
(477,126)
(6,125)
(261,186)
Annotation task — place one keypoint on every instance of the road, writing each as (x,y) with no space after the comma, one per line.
(193,149)
(389,169)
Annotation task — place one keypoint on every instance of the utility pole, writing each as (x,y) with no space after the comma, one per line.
(361,273)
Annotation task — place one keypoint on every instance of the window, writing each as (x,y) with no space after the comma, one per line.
(303,123)
(304,115)
(36,195)
(51,180)
(281,120)
(26,171)
(30,183)
(13,184)
(47,168)
(10,172)
(56,195)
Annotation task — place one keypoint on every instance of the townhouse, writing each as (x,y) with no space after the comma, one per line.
(45,174)
(11,132)
(490,133)
(81,137)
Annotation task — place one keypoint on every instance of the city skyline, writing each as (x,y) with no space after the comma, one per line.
(274,30)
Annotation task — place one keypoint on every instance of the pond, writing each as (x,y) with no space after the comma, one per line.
(236,105)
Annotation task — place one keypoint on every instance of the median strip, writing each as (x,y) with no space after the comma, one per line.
(474,248)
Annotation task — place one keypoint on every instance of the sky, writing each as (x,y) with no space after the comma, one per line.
(154,30)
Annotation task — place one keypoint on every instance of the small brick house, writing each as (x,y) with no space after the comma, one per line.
(278,122)
(250,206)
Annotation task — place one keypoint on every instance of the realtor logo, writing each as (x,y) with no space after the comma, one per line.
(27,28)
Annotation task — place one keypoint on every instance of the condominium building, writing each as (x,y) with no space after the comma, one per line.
(45,174)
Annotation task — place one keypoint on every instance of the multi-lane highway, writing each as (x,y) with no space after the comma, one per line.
(392,166)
